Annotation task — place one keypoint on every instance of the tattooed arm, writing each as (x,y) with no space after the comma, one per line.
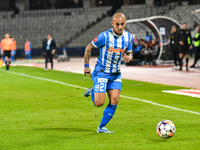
(87,55)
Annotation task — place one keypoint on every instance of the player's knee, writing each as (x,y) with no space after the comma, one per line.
(115,101)
(98,102)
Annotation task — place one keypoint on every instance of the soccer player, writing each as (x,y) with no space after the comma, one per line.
(27,49)
(6,47)
(14,48)
(106,75)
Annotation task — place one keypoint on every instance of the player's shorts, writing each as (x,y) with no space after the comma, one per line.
(184,49)
(13,52)
(103,82)
(27,52)
(7,54)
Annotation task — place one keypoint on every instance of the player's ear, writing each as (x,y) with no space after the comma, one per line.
(125,22)
(112,22)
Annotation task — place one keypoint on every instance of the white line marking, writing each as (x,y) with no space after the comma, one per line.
(45,79)
(181,92)
(137,99)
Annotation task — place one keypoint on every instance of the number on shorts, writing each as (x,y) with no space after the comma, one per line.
(102,86)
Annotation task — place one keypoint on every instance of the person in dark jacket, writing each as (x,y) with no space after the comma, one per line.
(185,43)
(174,46)
(49,48)
(197,47)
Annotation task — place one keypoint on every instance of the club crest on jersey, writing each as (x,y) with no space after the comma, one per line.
(126,44)
(96,38)
(111,49)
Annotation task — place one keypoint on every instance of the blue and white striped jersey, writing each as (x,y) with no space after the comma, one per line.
(112,48)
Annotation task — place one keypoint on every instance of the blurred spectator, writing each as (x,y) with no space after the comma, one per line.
(14,48)
(174,46)
(27,49)
(138,51)
(197,47)
(1,60)
(158,41)
(135,41)
(148,37)
(154,48)
(147,54)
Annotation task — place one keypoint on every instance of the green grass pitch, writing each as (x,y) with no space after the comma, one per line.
(37,114)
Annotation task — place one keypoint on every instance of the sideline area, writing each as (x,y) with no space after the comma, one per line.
(154,74)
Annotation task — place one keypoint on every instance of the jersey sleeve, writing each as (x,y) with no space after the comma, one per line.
(30,46)
(2,46)
(130,46)
(99,41)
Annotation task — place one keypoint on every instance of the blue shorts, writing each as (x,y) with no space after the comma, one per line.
(27,52)
(13,52)
(103,82)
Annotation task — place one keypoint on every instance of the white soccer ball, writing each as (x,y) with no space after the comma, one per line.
(68,69)
(165,129)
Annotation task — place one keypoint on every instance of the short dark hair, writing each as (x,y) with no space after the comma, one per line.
(173,26)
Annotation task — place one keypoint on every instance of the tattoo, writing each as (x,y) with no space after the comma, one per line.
(130,55)
(88,50)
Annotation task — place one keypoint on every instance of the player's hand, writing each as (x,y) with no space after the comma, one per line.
(87,71)
(126,58)
(181,43)
(190,46)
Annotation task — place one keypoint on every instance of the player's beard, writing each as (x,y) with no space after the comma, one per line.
(117,32)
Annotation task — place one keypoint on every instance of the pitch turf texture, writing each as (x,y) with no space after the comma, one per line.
(38,114)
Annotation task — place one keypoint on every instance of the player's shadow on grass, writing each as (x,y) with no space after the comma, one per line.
(68,129)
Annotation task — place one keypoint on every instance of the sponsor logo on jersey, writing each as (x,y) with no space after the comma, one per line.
(96,38)
(102,80)
(111,49)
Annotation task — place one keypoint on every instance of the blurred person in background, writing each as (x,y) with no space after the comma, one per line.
(147,53)
(142,52)
(148,38)
(49,48)
(138,51)
(6,47)
(185,43)
(27,49)
(14,48)
(1,60)
(197,47)
(154,49)
(174,46)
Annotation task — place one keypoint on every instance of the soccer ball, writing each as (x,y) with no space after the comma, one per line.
(165,129)
(68,69)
